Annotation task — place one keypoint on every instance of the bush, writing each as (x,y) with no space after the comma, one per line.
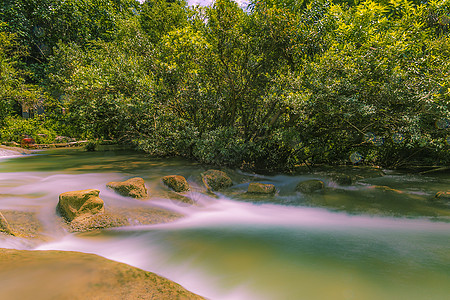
(16,128)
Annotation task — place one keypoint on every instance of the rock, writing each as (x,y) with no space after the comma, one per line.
(4,226)
(24,224)
(97,221)
(77,203)
(134,187)
(176,182)
(260,188)
(442,197)
(145,215)
(180,199)
(123,216)
(73,275)
(385,189)
(215,180)
(342,179)
(310,186)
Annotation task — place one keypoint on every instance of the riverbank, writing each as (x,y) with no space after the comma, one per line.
(11,151)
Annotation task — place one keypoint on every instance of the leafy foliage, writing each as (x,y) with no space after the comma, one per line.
(271,86)
(40,129)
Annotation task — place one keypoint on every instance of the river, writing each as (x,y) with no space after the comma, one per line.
(379,238)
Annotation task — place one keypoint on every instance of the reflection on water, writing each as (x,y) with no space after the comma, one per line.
(394,244)
(78,161)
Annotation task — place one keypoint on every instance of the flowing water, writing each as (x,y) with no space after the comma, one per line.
(378,239)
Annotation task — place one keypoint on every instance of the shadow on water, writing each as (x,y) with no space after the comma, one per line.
(80,161)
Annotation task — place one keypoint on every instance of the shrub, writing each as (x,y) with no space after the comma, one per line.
(16,128)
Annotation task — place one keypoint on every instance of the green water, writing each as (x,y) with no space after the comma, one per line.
(380,238)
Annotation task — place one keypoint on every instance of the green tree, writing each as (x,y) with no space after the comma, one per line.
(14,92)
(158,17)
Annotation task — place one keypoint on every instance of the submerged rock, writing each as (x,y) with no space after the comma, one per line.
(215,180)
(77,203)
(97,221)
(123,216)
(260,188)
(443,197)
(310,186)
(145,215)
(4,226)
(342,179)
(24,224)
(385,188)
(179,198)
(134,187)
(176,182)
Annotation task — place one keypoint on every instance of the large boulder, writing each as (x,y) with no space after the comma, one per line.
(310,186)
(134,187)
(176,182)
(77,203)
(215,180)
(4,226)
(260,188)
(73,275)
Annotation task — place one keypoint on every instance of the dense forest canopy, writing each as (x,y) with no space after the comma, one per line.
(267,86)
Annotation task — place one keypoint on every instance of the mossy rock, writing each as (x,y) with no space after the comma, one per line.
(76,203)
(215,180)
(134,187)
(176,182)
(260,188)
(310,186)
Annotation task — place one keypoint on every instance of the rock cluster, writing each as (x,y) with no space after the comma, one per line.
(84,210)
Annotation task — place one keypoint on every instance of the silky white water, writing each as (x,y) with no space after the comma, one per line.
(352,242)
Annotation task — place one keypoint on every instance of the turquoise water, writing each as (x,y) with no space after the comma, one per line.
(356,242)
